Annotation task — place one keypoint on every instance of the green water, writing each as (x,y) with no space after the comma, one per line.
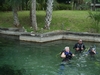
(27,58)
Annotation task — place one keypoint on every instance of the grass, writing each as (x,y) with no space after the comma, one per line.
(76,21)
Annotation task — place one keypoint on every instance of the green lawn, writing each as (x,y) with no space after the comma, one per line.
(77,21)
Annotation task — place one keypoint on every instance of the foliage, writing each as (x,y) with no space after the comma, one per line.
(55,5)
(96,19)
(4,5)
(14,3)
(64,6)
(85,5)
(41,4)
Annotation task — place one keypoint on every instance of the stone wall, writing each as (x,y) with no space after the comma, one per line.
(49,36)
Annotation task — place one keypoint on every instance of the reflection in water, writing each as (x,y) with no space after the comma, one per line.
(9,70)
(27,58)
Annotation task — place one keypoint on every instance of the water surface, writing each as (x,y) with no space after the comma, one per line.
(28,58)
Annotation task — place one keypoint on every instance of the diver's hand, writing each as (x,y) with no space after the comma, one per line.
(73,54)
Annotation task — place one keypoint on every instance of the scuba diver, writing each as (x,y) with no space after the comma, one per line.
(66,54)
(79,46)
(92,51)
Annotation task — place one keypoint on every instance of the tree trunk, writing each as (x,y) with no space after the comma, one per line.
(15,15)
(34,22)
(49,10)
(72,4)
(94,3)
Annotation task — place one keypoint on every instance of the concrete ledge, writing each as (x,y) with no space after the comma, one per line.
(50,36)
(40,38)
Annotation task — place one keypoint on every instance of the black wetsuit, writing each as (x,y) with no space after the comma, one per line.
(77,45)
(68,56)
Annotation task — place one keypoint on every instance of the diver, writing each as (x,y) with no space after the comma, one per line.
(92,51)
(79,46)
(66,54)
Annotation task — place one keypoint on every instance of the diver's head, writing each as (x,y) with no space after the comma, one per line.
(67,49)
(93,49)
(79,41)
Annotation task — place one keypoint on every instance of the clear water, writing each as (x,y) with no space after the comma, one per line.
(27,58)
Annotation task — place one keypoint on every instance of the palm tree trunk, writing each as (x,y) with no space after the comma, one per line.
(34,21)
(15,15)
(49,10)
(94,3)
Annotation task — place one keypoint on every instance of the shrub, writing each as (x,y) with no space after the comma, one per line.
(96,20)
(64,7)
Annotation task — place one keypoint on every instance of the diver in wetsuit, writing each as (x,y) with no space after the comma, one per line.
(66,54)
(92,51)
(79,46)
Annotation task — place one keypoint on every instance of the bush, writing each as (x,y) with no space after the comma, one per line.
(64,7)
(96,20)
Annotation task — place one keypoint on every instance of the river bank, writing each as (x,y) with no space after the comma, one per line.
(19,34)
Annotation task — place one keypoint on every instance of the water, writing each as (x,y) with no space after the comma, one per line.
(27,58)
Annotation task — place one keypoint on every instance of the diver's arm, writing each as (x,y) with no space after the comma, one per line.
(63,55)
(94,51)
(73,54)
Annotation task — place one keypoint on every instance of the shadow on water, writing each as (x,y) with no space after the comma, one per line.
(9,70)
